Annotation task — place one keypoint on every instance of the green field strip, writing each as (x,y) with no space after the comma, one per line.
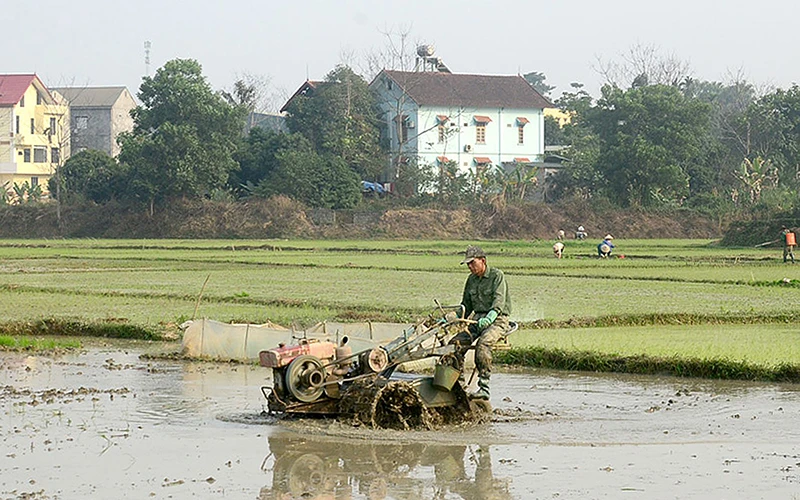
(752,351)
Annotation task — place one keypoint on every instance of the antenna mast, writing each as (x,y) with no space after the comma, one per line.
(147,46)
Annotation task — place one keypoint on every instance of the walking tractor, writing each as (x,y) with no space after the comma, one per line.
(317,377)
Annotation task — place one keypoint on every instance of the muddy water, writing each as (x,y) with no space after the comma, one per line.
(105,424)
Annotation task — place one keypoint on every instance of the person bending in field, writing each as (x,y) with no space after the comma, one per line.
(789,242)
(558,249)
(605,247)
(486,295)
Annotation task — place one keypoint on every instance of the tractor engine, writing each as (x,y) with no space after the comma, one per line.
(312,372)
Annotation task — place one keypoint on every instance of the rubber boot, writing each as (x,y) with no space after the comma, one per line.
(483,389)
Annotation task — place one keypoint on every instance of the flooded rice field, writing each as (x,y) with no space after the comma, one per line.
(103,423)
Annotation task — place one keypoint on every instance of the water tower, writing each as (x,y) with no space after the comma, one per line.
(427,61)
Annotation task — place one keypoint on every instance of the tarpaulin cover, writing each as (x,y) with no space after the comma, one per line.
(216,340)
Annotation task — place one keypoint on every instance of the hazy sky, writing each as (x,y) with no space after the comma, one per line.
(94,42)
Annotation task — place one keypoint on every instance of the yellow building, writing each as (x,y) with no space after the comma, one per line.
(34,131)
(561,117)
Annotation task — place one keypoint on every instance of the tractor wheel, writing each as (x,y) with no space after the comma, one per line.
(304,377)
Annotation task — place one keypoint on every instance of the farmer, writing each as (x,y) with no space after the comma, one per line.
(558,249)
(605,247)
(581,234)
(789,242)
(486,295)
(561,235)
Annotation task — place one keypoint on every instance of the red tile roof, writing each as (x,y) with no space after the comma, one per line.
(13,87)
(442,159)
(521,160)
(467,91)
(481,119)
(303,90)
(522,120)
(482,159)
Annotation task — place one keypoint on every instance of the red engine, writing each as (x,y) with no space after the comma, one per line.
(283,355)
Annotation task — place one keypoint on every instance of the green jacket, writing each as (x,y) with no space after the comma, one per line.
(490,291)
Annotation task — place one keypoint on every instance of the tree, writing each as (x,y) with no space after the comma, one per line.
(649,136)
(243,94)
(644,65)
(579,176)
(324,181)
(576,102)
(536,80)
(729,137)
(553,133)
(258,156)
(255,93)
(773,124)
(184,136)
(338,119)
(90,174)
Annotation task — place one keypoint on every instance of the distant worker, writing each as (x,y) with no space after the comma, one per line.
(558,249)
(486,295)
(561,235)
(605,247)
(581,234)
(789,241)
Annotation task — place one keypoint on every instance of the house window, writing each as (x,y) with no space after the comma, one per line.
(33,125)
(401,122)
(17,125)
(81,122)
(22,102)
(38,98)
(52,125)
(39,155)
(26,155)
(521,122)
(480,133)
(34,181)
(442,119)
(55,155)
(480,128)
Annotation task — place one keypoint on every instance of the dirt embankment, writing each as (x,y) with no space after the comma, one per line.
(281,217)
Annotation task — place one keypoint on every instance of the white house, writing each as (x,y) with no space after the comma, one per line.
(475,121)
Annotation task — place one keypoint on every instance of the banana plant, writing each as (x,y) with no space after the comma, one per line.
(34,194)
(5,196)
(756,175)
(518,181)
(19,192)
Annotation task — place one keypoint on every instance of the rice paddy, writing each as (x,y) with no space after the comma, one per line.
(666,299)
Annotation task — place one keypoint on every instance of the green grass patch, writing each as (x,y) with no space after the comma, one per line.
(10,343)
(666,319)
(769,346)
(712,368)
(71,328)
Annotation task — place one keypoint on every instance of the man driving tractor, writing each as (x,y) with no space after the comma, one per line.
(486,295)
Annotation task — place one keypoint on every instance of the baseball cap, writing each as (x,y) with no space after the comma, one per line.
(472,253)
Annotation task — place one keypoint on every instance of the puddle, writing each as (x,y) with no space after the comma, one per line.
(103,423)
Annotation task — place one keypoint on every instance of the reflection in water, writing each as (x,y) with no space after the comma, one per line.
(314,468)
